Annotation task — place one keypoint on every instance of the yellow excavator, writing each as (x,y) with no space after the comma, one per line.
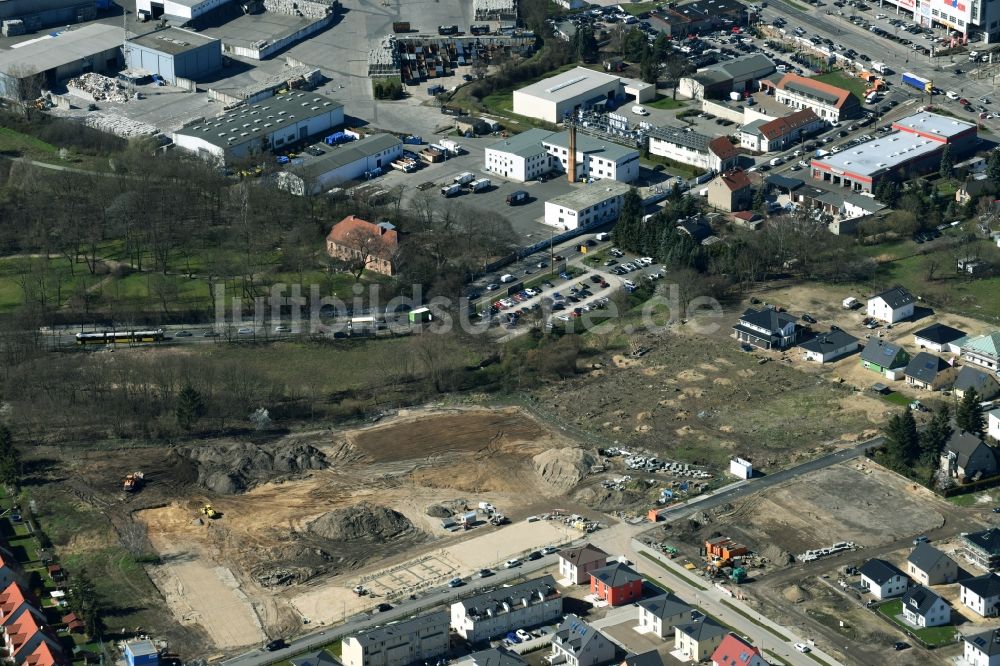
(209,512)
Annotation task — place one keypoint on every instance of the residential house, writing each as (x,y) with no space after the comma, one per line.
(777,134)
(938,337)
(974,186)
(356,240)
(927,371)
(882,579)
(982,649)
(660,614)
(491,657)
(648,658)
(966,457)
(689,147)
(993,424)
(45,655)
(734,651)
(412,641)
(617,583)
(929,566)
(496,612)
(730,191)
(827,347)
(885,358)
(141,653)
(767,328)
(891,305)
(981,594)
(983,548)
(698,638)
(23,636)
(971,378)
(828,102)
(922,608)
(576,564)
(14,601)
(983,350)
(576,643)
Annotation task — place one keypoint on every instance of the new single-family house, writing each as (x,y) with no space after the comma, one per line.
(575,564)
(730,191)
(576,643)
(648,658)
(356,240)
(983,350)
(983,548)
(826,347)
(973,378)
(982,649)
(891,305)
(966,457)
(929,566)
(884,357)
(767,328)
(938,337)
(930,372)
(660,614)
(923,608)
(734,651)
(495,612)
(698,638)
(883,579)
(993,424)
(981,594)
(617,583)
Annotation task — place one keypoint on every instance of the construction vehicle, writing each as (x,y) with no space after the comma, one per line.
(132,481)
(209,512)
(739,575)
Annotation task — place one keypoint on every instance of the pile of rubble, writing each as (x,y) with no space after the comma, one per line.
(120,125)
(100,88)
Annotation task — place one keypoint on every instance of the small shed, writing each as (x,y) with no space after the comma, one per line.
(141,653)
(880,388)
(740,468)
(74,624)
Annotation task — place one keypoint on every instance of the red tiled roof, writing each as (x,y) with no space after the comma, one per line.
(11,598)
(352,225)
(735,180)
(839,93)
(21,631)
(785,125)
(722,148)
(734,651)
(746,216)
(43,655)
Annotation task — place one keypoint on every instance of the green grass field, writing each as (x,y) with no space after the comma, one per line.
(637,8)
(16,143)
(666,103)
(931,636)
(897,399)
(855,85)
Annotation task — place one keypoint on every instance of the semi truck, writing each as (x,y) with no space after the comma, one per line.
(881,68)
(451,146)
(918,82)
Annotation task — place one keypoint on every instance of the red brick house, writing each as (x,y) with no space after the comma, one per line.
(617,583)
(355,240)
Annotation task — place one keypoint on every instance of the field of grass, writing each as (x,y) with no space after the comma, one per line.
(671,167)
(930,636)
(855,85)
(637,8)
(895,398)
(24,145)
(666,103)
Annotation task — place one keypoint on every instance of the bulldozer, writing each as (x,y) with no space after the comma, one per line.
(133,481)
(209,512)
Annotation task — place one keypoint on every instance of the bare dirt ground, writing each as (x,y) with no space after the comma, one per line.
(267,558)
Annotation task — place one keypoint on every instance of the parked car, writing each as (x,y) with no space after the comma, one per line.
(803,648)
(809,318)
(182,334)
(455,582)
(510,564)
(534,555)
(275,645)
(523,635)
(246,330)
(383,607)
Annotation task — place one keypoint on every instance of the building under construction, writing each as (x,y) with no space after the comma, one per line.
(417,58)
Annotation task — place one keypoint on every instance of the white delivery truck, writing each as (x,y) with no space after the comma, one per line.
(451,146)
(464,178)
(481,185)
(603,236)
(506,278)
(451,190)
(850,303)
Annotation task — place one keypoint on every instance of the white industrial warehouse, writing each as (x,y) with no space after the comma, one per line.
(264,126)
(580,88)
(587,206)
(536,152)
(351,161)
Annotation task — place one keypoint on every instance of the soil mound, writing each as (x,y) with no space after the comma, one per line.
(366,522)
(438,511)
(795,594)
(232,469)
(562,469)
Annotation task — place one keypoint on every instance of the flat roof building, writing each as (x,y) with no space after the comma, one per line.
(37,14)
(175,53)
(91,48)
(184,10)
(267,125)
(595,158)
(580,88)
(521,157)
(586,206)
(350,161)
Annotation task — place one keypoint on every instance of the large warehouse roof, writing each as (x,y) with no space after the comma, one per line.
(577,81)
(590,145)
(255,120)
(932,123)
(348,153)
(590,195)
(63,49)
(173,41)
(525,144)
(883,154)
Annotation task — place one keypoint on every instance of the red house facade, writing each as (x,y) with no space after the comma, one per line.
(617,583)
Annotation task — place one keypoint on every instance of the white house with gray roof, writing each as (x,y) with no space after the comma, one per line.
(660,614)
(891,305)
(993,424)
(591,204)
(826,347)
(576,643)
(929,566)
(595,158)
(922,608)
(982,649)
(981,594)
(496,612)
(767,328)
(521,157)
(412,641)
(689,147)
(259,128)
(883,579)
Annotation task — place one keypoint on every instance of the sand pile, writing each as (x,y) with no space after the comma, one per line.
(366,522)
(562,469)
(233,469)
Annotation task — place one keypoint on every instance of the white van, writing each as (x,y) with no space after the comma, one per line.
(777,161)
(951,94)
(507,277)
(640,110)
(603,236)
